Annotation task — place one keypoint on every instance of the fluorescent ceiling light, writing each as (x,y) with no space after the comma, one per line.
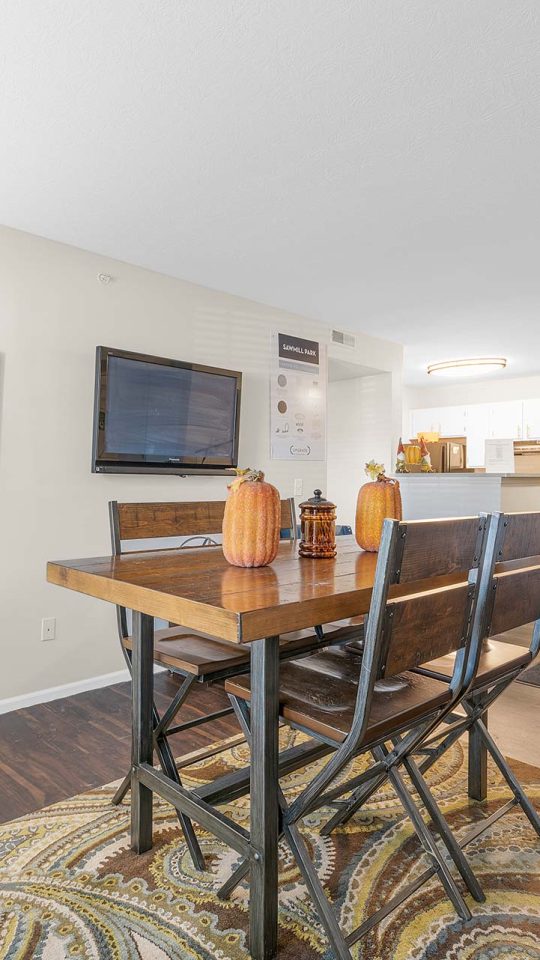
(470,367)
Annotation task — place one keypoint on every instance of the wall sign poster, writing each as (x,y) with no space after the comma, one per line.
(298,399)
(499,456)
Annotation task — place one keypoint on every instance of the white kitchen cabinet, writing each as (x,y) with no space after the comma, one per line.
(478,424)
(506,420)
(491,421)
(448,421)
(452,421)
(531,419)
(424,419)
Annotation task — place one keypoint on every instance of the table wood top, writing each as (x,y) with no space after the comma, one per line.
(198,589)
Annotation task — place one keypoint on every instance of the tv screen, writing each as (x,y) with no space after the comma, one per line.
(163,416)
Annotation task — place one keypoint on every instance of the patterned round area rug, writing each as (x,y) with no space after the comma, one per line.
(70,887)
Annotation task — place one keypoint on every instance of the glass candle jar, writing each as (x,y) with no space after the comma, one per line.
(318,527)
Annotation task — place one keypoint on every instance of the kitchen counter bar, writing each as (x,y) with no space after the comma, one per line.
(430,495)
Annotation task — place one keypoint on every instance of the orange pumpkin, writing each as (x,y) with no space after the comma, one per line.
(376,501)
(251,522)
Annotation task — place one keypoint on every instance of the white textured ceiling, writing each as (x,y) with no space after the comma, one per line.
(372,163)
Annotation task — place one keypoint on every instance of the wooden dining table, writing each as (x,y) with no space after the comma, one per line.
(196,588)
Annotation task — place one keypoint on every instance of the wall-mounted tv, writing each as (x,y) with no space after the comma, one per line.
(153,415)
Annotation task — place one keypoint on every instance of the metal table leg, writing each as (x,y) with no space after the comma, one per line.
(477,763)
(264,798)
(142,731)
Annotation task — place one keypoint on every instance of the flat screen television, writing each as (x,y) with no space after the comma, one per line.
(153,415)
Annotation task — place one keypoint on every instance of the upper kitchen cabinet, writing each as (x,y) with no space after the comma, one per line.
(448,421)
(491,421)
(478,426)
(531,419)
(424,420)
(506,420)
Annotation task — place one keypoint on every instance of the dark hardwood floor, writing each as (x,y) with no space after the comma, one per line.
(54,750)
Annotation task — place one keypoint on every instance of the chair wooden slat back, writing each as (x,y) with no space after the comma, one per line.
(422,628)
(438,548)
(148,521)
(521,536)
(516,600)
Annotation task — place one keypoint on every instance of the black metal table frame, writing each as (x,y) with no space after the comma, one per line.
(260,780)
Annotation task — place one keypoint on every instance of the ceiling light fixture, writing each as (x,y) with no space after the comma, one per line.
(469,367)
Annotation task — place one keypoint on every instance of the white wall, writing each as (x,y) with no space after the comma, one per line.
(53,313)
(475,391)
(359,430)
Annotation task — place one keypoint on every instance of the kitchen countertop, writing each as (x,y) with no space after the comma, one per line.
(465,473)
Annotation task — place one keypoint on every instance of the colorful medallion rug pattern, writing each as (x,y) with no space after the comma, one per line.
(70,887)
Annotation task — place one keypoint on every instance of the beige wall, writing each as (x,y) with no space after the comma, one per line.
(53,313)
(359,429)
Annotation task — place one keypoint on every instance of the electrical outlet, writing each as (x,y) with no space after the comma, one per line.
(298,487)
(48,628)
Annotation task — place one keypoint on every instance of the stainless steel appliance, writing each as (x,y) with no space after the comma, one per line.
(448,456)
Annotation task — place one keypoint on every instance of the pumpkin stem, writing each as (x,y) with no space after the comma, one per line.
(254,476)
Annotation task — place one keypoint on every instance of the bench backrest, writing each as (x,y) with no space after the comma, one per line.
(156,521)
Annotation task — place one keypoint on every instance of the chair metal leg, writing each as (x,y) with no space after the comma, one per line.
(324,908)
(446,834)
(236,877)
(356,800)
(477,760)
(168,766)
(122,790)
(426,839)
(241,710)
(301,855)
(509,776)
(166,720)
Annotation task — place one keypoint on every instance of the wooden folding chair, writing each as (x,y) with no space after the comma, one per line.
(400,630)
(196,657)
(513,601)
(441,550)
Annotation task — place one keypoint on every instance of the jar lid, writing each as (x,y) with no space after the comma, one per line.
(317,500)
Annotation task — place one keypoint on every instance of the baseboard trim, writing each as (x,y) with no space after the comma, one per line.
(66,690)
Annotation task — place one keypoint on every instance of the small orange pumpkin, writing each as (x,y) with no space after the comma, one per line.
(376,501)
(251,522)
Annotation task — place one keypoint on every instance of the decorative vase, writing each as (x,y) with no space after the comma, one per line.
(251,522)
